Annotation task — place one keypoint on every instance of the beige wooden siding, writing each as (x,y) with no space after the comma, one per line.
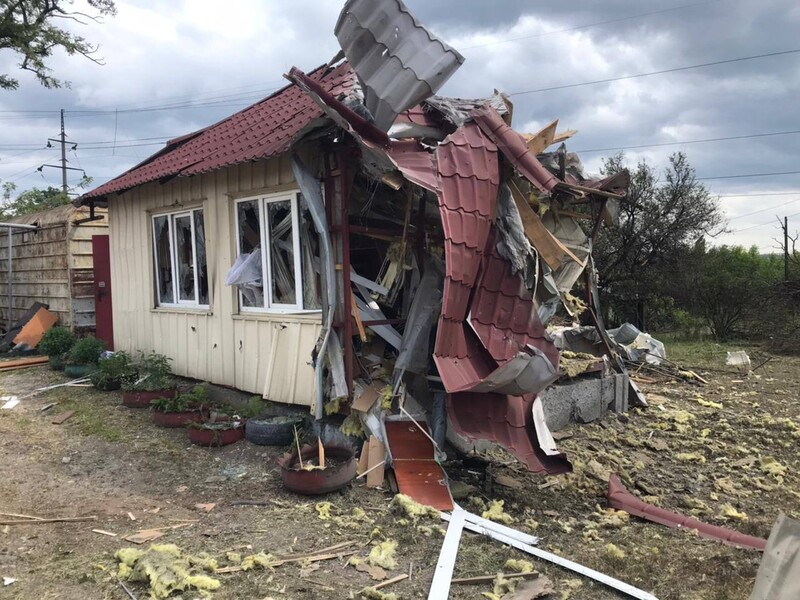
(218,344)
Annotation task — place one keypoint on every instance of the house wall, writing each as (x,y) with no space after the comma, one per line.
(52,265)
(266,354)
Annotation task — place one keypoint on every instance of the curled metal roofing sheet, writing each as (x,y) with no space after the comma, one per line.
(507,420)
(399,63)
(264,129)
(514,149)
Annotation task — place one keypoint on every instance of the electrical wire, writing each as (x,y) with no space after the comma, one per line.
(685,142)
(749,175)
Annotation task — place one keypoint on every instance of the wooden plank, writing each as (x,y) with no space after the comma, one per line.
(363,459)
(564,135)
(377,454)
(61,417)
(391,581)
(32,332)
(489,578)
(365,401)
(23,362)
(359,323)
(44,521)
(548,245)
(539,141)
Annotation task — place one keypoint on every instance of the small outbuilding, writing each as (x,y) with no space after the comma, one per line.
(52,264)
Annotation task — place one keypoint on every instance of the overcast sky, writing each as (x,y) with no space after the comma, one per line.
(174,66)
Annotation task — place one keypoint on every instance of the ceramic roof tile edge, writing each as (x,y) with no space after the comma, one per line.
(620,498)
(115,185)
(514,149)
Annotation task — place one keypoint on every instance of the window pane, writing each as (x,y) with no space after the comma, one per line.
(163,262)
(200,250)
(252,279)
(281,252)
(310,263)
(184,257)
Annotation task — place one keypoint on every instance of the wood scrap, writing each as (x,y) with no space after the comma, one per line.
(62,417)
(104,532)
(380,464)
(374,571)
(321,452)
(363,458)
(47,407)
(539,141)
(480,579)
(205,507)
(530,590)
(391,581)
(45,521)
(548,245)
(362,333)
(20,516)
(21,363)
(144,536)
(376,456)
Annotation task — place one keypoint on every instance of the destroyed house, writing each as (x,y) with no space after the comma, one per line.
(354,233)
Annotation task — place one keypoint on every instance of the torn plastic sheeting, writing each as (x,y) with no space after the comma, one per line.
(312,193)
(620,498)
(399,62)
(512,243)
(246,274)
(778,575)
(546,441)
(738,359)
(513,539)
(414,355)
(638,346)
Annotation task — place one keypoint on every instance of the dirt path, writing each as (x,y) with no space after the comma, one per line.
(686,452)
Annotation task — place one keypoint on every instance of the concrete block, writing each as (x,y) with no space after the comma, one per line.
(584,400)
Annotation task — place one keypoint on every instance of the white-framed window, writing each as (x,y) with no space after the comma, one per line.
(179,254)
(277,268)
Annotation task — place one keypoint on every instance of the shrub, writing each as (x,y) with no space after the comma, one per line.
(154,373)
(56,341)
(115,368)
(182,402)
(86,351)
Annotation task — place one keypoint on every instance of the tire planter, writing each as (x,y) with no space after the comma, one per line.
(176,419)
(78,370)
(108,386)
(143,399)
(56,363)
(212,436)
(271,431)
(318,481)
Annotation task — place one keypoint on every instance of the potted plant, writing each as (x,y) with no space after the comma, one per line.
(221,428)
(55,343)
(83,357)
(112,371)
(180,410)
(153,380)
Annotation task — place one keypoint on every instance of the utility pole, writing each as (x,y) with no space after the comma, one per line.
(786,249)
(62,139)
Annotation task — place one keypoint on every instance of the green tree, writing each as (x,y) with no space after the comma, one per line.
(659,222)
(733,285)
(32,29)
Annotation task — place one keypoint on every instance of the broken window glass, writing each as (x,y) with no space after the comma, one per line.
(184,257)
(249,220)
(200,253)
(309,258)
(163,260)
(281,246)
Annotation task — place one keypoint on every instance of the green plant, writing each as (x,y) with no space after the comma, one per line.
(182,402)
(56,341)
(154,374)
(115,368)
(255,406)
(86,351)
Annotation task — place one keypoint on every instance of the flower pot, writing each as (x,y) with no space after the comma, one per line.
(176,419)
(216,434)
(136,399)
(108,386)
(76,371)
(56,363)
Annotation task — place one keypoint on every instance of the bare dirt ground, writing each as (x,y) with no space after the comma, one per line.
(725,452)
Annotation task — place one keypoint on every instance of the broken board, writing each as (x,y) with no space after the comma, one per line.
(375,457)
(32,332)
(62,417)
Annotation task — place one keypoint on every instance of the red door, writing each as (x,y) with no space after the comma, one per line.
(104,324)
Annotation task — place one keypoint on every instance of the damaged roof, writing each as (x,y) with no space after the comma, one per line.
(265,129)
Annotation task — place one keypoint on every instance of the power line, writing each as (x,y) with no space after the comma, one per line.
(661,72)
(749,175)
(589,25)
(761,224)
(755,212)
(703,141)
(760,194)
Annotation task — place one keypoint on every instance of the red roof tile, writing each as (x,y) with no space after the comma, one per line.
(507,420)
(264,129)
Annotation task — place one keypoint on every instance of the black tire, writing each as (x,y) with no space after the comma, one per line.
(265,432)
